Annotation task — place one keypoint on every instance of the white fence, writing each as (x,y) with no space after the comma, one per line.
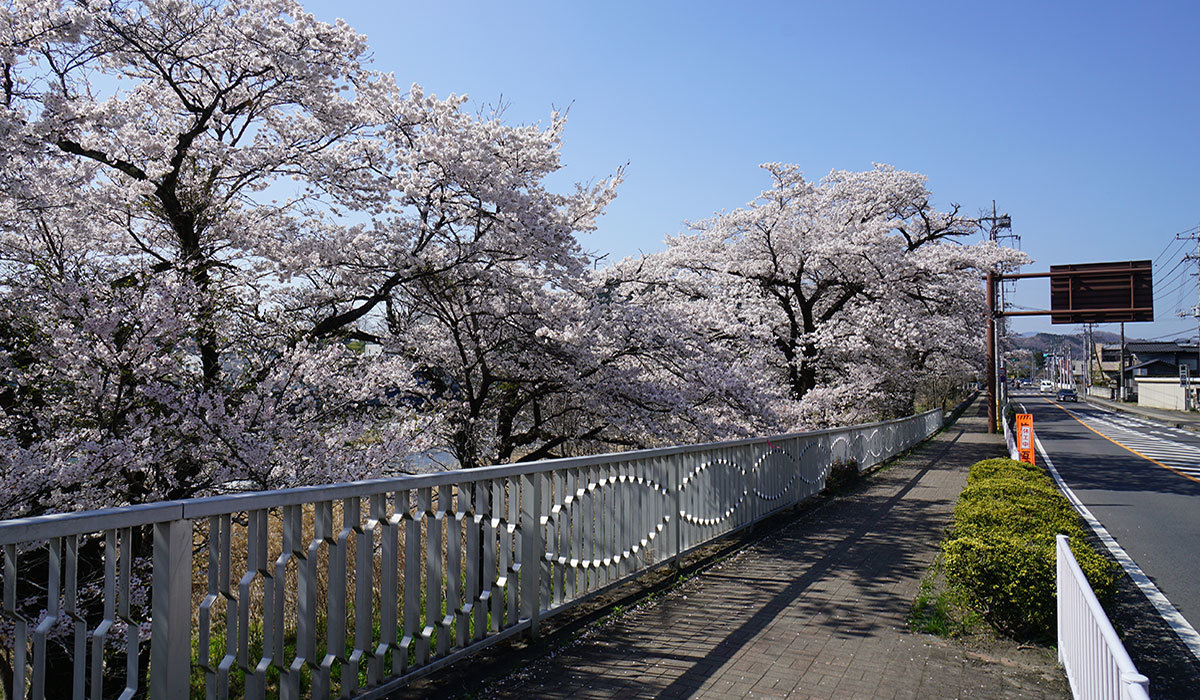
(1097,665)
(355,589)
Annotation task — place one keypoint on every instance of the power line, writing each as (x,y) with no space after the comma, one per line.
(1167,277)
(1170,244)
(1176,334)
(1175,239)
(1179,298)
(1185,282)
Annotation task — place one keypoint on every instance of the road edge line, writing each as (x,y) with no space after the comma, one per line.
(1178,624)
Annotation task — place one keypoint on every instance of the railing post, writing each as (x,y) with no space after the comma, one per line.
(532,549)
(171,610)
(1059,578)
(675,523)
(1131,680)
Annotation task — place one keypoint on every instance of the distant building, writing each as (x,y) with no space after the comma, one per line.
(1143,360)
(1106,363)
(1162,359)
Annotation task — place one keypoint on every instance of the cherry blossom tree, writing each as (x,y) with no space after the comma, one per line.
(152,350)
(534,370)
(848,291)
(234,257)
(226,238)
(211,208)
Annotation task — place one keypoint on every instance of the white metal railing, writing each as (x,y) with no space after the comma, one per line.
(1097,665)
(1010,439)
(354,589)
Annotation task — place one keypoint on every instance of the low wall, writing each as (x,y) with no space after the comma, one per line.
(1161,392)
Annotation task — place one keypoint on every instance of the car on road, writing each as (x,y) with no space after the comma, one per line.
(1046,386)
(1066,395)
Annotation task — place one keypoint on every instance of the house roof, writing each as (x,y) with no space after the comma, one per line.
(1159,347)
(1148,363)
(1168,368)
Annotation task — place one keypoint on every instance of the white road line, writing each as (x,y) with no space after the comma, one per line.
(1154,426)
(1181,456)
(1186,633)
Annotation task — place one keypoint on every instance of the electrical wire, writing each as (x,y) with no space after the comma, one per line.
(1176,239)
(1182,290)
(1176,334)
(1170,244)
(1184,283)
(1170,276)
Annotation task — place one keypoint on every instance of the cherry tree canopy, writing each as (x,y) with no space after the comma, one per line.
(201,205)
(234,256)
(845,292)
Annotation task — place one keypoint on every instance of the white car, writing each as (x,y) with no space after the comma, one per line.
(1047,385)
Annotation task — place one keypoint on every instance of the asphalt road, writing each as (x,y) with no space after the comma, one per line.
(1145,490)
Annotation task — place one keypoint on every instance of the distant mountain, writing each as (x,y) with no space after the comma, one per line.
(1055,342)
(1049,342)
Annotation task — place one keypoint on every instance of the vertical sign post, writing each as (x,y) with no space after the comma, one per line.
(1025,437)
(1185,381)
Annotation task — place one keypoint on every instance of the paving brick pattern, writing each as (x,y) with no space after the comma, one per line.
(815,610)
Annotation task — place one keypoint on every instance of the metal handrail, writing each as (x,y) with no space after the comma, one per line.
(378,582)
(61,524)
(1095,660)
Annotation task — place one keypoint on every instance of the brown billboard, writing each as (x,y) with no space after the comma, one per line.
(1109,292)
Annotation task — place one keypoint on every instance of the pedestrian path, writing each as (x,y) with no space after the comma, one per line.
(816,609)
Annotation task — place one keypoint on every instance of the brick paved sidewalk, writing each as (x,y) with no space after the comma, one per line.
(815,610)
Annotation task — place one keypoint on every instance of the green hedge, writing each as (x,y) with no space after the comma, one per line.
(1005,467)
(1001,549)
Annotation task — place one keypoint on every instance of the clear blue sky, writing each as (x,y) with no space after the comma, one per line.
(1081,119)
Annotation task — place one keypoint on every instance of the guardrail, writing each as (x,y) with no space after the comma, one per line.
(355,589)
(1097,665)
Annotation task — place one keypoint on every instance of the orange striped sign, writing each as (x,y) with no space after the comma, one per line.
(1025,437)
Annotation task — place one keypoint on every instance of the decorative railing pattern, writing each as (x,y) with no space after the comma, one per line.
(353,589)
(1097,665)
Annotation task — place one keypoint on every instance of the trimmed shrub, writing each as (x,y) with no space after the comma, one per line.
(1008,579)
(1009,505)
(976,519)
(1001,550)
(1005,467)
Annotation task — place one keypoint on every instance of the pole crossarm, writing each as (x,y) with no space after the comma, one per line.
(1001,314)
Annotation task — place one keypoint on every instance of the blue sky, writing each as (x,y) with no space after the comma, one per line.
(1082,120)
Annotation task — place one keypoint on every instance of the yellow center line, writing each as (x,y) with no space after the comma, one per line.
(1118,444)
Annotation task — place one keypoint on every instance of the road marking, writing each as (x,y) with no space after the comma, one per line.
(1182,456)
(1178,624)
(1175,470)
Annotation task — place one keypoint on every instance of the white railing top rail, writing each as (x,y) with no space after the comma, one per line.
(43,527)
(1132,683)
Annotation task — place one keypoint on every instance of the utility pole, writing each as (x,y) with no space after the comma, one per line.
(1195,312)
(1089,347)
(991,350)
(998,223)
(1121,383)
